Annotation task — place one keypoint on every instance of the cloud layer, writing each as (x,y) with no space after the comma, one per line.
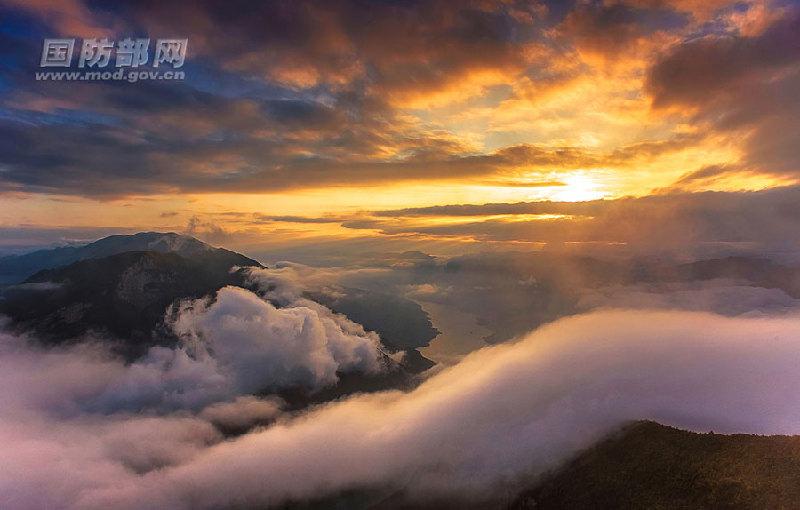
(503,414)
(671,223)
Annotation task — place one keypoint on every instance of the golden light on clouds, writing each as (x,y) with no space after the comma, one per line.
(503,103)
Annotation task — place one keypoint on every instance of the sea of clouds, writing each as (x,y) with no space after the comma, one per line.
(82,430)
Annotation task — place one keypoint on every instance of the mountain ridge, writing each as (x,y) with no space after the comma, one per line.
(123,296)
(18,268)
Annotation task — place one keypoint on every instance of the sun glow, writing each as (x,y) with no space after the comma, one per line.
(578,187)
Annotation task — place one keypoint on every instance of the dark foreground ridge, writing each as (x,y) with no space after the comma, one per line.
(650,466)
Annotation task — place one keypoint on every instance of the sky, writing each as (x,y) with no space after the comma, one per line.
(557,123)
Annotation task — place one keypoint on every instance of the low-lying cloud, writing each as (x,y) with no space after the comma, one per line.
(500,416)
(234,344)
(724,297)
(268,348)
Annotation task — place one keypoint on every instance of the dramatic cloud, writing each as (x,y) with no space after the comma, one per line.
(741,82)
(521,408)
(287,95)
(101,420)
(237,344)
(268,348)
(301,88)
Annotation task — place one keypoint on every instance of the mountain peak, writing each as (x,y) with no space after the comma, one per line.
(16,268)
(149,241)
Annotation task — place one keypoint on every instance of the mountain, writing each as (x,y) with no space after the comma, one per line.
(650,466)
(123,296)
(121,299)
(17,268)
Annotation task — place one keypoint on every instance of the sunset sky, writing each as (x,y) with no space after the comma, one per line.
(309,121)
(399,254)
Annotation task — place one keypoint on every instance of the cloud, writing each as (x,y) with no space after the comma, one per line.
(207,231)
(50,410)
(543,207)
(611,29)
(306,94)
(295,219)
(263,348)
(234,344)
(103,421)
(494,420)
(740,83)
(164,379)
(257,159)
(287,283)
(699,69)
(301,88)
(243,412)
(529,289)
(71,17)
(705,174)
(724,297)
(688,224)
